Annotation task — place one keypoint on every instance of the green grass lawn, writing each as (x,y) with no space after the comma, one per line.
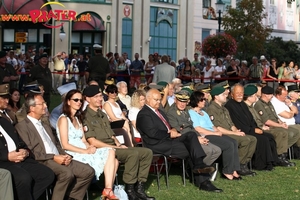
(281,183)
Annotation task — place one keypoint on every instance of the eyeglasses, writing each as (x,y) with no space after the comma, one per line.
(203,99)
(41,104)
(76,100)
(157,100)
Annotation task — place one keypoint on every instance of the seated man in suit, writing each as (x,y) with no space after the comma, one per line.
(158,135)
(29,177)
(72,177)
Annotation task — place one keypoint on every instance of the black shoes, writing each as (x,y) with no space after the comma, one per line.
(209,187)
(140,192)
(245,171)
(284,162)
(203,169)
(129,188)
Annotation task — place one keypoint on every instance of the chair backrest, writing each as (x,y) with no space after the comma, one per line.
(122,132)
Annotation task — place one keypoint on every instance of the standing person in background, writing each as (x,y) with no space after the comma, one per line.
(59,68)
(7,72)
(255,71)
(282,65)
(122,70)
(149,69)
(98,67)
(219,70)
(21,61)
(136,68)
(208,72)
(37,56)
(128,63)
(289,73)
(10,59)
(272,73)
(244,73)
(42,74)
(196,62)
(187,72)
(233,73)
(164,71)
(82,65)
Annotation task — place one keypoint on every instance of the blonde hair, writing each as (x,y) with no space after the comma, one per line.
(135,99)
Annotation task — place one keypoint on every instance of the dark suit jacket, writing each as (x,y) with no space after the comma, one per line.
(153,131)
(7,126)
(32,138)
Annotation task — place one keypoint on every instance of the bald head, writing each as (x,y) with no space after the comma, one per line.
(153,98)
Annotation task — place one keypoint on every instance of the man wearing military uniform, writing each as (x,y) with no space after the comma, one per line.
(277,128)
(7,72)
(4,97)
(180,119)
(99,134)
(98,67)
(221,119)
(42,74)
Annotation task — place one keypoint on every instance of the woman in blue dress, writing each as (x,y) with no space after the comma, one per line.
(71,135)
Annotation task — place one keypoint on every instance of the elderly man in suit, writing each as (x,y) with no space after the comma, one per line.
(158,135)
(29,177)
(164,71)
(72,177)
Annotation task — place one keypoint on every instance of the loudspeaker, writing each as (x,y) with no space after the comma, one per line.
(47,40)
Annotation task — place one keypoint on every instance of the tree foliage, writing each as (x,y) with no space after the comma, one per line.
(282,50)
(245,24)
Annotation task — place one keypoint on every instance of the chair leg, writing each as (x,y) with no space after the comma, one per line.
(183,171)
(157,175)
(116,179)
(87,194)
(167,171)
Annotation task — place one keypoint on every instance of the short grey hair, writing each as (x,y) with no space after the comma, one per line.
(30,101)
(120,82)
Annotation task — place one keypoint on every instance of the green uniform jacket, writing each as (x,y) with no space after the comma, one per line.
(180,120)
(219,116)
(97,125)
(266,111)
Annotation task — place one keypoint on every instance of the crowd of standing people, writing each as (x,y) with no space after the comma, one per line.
(199,110)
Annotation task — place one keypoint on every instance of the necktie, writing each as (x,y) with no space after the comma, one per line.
(163,120)
(46,139)
(7,116)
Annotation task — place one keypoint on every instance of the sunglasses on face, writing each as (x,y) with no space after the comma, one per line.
(114,92)
(203,99)
(76,100)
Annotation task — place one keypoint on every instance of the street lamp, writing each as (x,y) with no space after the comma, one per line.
(62,33)
(220,7)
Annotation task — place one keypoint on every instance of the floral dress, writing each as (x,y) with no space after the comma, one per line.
(96,160)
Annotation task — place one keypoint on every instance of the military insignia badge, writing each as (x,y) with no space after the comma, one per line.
(85,128)
(178,112)
(212,118)
(260,112)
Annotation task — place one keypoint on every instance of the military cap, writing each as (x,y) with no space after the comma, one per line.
(97,46)
(109,81)
(2,54)
(187,89)
(250,90)
(217,90)
(183,95)
(223,84)
(162,83)
(66,88)
(155,86)
(189,85)
(44,55)
(293,88)
(267,90)
(31,86)
(91,90)
(203,88)
(4,90)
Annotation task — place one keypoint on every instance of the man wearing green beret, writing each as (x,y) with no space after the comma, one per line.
(179,118)
(221,119)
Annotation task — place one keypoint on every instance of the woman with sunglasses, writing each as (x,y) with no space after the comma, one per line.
(113,109)
(204,126)
(71,135)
